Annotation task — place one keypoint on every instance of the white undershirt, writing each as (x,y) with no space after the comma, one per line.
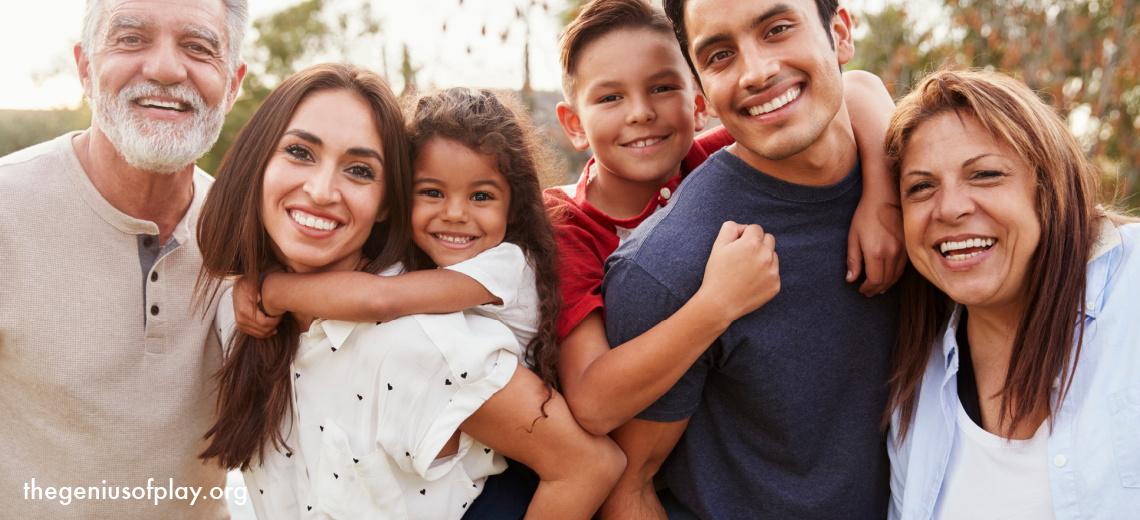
(989,477)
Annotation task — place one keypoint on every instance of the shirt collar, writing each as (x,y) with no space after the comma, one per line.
(950,341)
(337,331)
(1105,254)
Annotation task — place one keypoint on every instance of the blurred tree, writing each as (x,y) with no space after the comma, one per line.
(1082,56)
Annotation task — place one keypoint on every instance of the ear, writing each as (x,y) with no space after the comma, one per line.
(82,64)
(841,32)
(235,87)
(701,114)
(572,125)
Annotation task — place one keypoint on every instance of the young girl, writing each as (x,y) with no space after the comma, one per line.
(362,420)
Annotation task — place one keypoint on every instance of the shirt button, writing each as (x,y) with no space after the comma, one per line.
(154,276)
(154,310)
(1060,461)
(148,241)
(665,193)
(1056,382)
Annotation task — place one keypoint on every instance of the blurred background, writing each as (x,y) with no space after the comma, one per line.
(1081,56)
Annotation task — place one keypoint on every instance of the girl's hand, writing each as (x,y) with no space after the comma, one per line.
(247,313)
(743,272)
(876,243)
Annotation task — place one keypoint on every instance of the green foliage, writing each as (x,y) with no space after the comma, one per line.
(1082,56)
(20,129)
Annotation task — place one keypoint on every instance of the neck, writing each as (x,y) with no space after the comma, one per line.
(824,162)
(991,333)
(159,198)
(621,198)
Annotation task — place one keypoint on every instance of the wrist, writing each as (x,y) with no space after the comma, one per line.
(712,310)
(266,297)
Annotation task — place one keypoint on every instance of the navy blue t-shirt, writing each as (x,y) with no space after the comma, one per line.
(785,406)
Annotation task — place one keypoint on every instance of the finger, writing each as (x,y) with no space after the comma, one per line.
(854,258)
(873,284)
(899,267)
(754,231)
(729,232)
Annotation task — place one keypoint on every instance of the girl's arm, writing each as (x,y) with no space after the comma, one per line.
(606,387)
(576,470)
(355,296)
(875,242)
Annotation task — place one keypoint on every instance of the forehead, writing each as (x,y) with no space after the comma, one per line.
(609,58)
(167,14)
(706,18)
(339,117)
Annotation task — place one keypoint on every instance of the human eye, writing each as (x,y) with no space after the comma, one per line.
(130,39)
(778,30)
(609,99)
(988,174)
(362,172)
(482,196)
(431,193)
(918,188)
(717,57)
(299,152)
(663,88)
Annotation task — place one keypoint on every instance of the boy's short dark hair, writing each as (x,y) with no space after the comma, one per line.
(675,10)
(597,19)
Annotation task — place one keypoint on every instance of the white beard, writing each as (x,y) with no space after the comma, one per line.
(156,145)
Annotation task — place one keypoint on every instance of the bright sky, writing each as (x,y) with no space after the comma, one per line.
(39,71)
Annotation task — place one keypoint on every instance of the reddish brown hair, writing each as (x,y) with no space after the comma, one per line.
(496,125)
(597,19)
(255,383)
(1067,187)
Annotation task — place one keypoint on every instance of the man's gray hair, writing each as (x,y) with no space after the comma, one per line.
(237,17)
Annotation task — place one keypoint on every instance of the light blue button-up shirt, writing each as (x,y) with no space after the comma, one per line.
(1094,447)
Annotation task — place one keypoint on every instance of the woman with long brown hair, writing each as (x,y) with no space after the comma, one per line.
(1014,391)
(366,420)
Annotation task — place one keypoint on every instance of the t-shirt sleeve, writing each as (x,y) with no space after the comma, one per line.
(580,269)
(501,271)
(636,302)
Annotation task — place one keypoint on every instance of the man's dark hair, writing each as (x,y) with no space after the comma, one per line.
(675,10)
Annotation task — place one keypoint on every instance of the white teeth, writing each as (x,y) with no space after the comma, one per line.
(645,142)
(311,221)
(173,105)
(965,244)
(454,239)
(775,103)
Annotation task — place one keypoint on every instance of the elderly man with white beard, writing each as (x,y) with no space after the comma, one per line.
(106,367)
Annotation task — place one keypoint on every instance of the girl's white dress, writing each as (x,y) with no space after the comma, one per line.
(373,403)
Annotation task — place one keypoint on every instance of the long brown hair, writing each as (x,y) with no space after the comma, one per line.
(255,383)
(495,125)
(1067,188)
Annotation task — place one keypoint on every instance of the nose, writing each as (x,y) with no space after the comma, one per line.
(163,63)
(640,110)
(454,210)
(758,66)
(321,187)
(953,203)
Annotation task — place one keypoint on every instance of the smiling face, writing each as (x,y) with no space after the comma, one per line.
(461,201)
(639,115)
(769,70)
(322,190)
(969,213)
(159,80)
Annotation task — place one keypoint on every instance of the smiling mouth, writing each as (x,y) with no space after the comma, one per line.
(774,104)
(453,239)
(310,221)
(642,143)
(965,249)
(162,105)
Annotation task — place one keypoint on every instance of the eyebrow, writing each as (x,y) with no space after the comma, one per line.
(484,182)
(128,22)
(701,44)
(205,33)
(357,151)
(965,164)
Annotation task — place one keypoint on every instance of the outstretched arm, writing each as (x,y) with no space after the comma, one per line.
(355,296)
(875,242)
(606,387)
